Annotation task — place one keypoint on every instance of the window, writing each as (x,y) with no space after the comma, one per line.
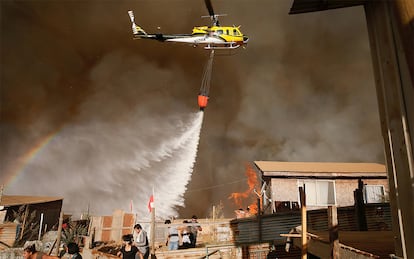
(286,206)
(374,193)
(319,192)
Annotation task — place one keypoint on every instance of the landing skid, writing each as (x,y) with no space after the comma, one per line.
(213,47)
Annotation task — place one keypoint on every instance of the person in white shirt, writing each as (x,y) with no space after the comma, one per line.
(141,241)
(172,238)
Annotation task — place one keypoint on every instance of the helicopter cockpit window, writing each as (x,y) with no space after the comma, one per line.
(219,32)
(236,32)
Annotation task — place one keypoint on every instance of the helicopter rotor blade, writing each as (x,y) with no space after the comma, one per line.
(209,7)
(211,12)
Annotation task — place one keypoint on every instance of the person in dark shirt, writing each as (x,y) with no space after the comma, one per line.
(128,250)
(195,227)
(187,238)
(73,249)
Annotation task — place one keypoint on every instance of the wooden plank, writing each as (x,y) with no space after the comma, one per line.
(8,233)
(380,243)
(106,228)
(353,244)
(302,195)
(128,224)
(394,91)
(315,247)
(333,231)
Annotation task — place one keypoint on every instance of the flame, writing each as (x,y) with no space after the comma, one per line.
(239,198)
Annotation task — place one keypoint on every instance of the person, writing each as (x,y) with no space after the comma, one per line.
(73,249)
(240,213)
(248,213)
(128,250)
(30,252)
(272,253)
(172,238)
(18,228)
(141,241)
(195,227)
(186,237)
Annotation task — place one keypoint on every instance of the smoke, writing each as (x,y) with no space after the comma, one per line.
(303,90)
(111,154)
(101,166)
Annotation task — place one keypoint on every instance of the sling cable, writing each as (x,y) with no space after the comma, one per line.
(205,83)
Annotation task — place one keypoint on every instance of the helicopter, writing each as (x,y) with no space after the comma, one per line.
(210,37)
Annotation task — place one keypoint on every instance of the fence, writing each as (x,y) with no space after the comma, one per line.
(111,228)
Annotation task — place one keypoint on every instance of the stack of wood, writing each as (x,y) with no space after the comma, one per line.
(7,234)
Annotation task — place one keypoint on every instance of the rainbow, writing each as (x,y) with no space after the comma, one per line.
(24,160)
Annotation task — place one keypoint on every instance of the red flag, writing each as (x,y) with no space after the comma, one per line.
(151,203)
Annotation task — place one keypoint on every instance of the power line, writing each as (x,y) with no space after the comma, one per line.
(217,186)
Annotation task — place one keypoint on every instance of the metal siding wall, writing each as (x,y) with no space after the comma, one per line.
(271,229)
(246,231)
(378,217)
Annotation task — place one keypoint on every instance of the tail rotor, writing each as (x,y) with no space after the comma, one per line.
(136,30)
(134,26)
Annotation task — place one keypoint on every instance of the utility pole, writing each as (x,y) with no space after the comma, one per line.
(152,233)
(1,192)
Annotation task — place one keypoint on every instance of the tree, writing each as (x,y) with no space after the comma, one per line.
(27,227)
(75,231)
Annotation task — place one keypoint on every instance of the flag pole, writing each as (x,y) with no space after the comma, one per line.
(153,227)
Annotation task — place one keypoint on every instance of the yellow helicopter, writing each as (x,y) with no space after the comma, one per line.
(210,37)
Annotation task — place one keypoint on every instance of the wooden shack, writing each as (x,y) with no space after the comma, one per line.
(46,211)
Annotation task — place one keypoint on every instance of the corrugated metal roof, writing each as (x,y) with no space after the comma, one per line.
(305,6)
(322,169)
(14,200)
